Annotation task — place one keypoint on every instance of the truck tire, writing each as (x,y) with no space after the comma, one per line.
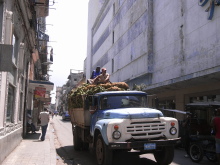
(196,152)
(77,142)
(104,155)
(164,156)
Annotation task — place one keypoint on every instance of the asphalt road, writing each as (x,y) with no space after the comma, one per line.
(67,156)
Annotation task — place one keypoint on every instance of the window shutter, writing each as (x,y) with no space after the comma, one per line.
(6,57)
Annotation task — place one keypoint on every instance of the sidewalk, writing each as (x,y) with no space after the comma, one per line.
(32,151)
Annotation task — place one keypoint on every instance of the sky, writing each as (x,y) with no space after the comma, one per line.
(66,26)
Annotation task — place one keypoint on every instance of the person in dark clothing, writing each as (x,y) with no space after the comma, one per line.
(94,74)
(216,125)
(30,124)
(186,139)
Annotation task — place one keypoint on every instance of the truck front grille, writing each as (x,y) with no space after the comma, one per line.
(146,129)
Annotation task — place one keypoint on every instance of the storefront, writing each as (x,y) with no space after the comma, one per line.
(177,96)
(38,98)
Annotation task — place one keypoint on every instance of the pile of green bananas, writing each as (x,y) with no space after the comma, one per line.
(77,96)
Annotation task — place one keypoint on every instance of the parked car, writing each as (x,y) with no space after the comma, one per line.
(56,113)
(65,116)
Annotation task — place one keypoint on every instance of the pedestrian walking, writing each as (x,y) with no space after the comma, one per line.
(44,118)
(216,126)
(95,73)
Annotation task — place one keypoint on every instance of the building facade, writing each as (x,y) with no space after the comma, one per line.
(75,78)
(21,69)
(171,47)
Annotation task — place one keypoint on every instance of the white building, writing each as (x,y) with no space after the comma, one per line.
(170,46)
(75,78)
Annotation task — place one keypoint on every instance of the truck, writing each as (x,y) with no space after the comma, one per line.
(111,117)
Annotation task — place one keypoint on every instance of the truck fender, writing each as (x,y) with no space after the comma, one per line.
(102,128)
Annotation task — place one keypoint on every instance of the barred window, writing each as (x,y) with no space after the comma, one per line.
(10,104)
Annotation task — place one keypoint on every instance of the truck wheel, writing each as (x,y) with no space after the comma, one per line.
(196,152)
(164,156)
(103,154)
(77,142)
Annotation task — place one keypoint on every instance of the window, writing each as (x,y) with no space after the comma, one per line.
(21,58)
(113,8)
(21,98)
(12,75)
(167,104)
(123,101)
(10,104)
(15,49)
(14,59)
(22,84)
(1,18)
(113,37)
(113,65)
(119,3)
(21,106)
(205,98)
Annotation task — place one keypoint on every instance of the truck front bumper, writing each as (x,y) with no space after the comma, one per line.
(140,144)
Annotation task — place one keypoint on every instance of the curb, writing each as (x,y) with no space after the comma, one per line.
(52,147)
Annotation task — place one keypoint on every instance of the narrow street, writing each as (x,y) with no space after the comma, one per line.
(67,156)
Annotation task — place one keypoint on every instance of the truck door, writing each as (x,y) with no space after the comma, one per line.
(95,116)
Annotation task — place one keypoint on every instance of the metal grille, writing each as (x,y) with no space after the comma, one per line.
(146,129)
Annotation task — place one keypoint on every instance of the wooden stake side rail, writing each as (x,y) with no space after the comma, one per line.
(80,117)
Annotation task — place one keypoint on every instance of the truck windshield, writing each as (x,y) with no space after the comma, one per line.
(131,101)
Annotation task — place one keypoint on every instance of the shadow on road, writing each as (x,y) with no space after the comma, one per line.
(72,157)
(66,153)
(130,158)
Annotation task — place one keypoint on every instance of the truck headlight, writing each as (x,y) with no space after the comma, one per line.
(173,131)
(116,134)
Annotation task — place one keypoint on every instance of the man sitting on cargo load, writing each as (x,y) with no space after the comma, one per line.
(95,73)
(102,78)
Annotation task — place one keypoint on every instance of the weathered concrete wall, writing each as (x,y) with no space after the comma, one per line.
(9,143)
(185,41)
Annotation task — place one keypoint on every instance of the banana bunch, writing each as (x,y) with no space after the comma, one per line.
(77,96)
